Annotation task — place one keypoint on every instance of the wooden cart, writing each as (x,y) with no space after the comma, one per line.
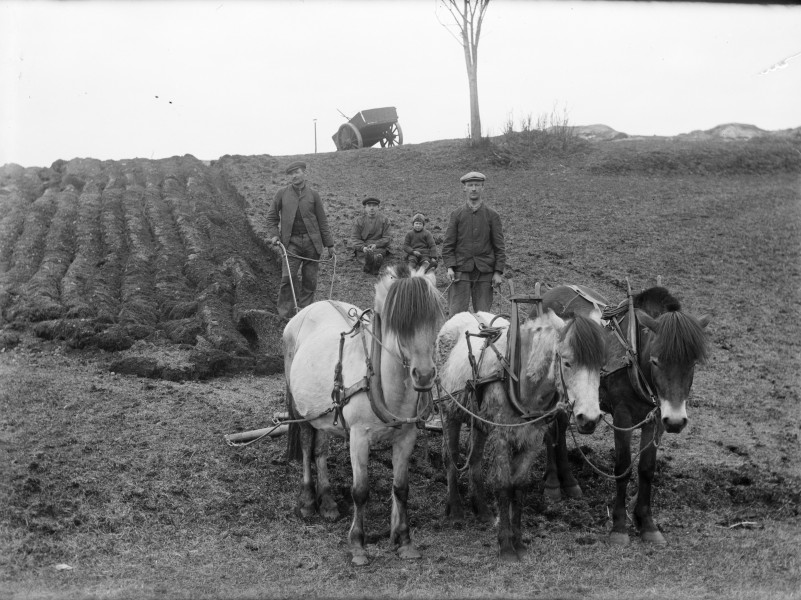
(369,127)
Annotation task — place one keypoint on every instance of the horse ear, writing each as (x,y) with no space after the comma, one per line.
(646,319)
(705,320)
(557,321)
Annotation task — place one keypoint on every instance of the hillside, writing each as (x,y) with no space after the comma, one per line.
(163,261)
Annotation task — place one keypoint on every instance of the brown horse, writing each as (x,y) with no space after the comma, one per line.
(651,394)
(558,359)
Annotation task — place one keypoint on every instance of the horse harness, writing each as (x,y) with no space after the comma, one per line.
(508,372)
(612,319)
(371,382)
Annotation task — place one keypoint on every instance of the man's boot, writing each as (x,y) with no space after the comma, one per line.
(378,260)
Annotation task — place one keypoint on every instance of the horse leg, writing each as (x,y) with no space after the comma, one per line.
(643,518)
(478,494)
(568,483)
(399,531)
(306,506)
(325,503)
(521,468)
(451,428)
(553,488)
(620,529)
(504,491)
(360,491)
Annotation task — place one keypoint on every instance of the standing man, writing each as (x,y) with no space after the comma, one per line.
(371,237)
(297,218)
(473,250)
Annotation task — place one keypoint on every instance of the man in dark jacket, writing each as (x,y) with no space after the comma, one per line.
(371,236)
(473,250)
(296,218)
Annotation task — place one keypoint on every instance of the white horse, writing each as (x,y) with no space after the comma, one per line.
(559,359)
(398,339)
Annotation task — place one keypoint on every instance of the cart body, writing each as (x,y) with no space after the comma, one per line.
(368,128)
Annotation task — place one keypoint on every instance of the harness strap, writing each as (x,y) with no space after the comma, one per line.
(376,393)
(513,347)
(636,376)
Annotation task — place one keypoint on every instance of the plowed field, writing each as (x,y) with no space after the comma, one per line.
(138,326)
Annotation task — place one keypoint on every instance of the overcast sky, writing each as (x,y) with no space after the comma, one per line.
(115,79)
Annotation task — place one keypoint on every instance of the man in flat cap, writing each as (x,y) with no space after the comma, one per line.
(473,250)
(296,218)
(370,237)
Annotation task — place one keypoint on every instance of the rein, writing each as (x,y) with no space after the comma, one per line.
(654,442)
(371,383)
(285,254)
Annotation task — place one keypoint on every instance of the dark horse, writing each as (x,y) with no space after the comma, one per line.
(651,394)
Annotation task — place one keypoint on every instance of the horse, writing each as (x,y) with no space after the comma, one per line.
(558,358)
(375,396)
(651,394)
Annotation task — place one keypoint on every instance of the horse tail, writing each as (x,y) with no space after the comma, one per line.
(293,446)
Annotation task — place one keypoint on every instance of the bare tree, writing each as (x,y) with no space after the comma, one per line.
(468,16)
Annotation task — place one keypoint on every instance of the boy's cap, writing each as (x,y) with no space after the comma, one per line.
(419,218)
(298,164)
(472,176)
(367,201)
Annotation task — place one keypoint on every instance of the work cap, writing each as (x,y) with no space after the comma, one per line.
(419,218)
(367,201)
(298,164)
(472,176)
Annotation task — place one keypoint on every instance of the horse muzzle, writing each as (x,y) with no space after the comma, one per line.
(674,418)
(674,425)
(423,379)
(586,426)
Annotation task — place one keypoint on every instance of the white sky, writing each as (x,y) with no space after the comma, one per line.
(116,79)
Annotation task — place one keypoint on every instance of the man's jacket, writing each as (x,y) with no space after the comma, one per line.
(282,211)
(367,231)
(474,240)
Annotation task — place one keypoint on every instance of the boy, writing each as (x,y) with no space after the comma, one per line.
(419,245)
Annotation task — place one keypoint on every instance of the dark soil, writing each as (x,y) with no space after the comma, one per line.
(138,326)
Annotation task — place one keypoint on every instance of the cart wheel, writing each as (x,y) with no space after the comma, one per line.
(349,137)
(393,136)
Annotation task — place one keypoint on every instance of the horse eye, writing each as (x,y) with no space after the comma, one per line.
(567,364)
(655,361)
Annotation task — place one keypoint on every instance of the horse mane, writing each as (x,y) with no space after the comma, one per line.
(656,301)
(680,339)
(587,340)
(408,301)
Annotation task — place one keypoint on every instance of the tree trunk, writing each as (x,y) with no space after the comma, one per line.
(475,116)
(471,60)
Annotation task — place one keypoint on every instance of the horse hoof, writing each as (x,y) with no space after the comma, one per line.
(359,559)
(509,556)
(486,517)
(455,515)
(409,552)
(330,514)
(553,494)
(329,510)
(653,537)
(619,539)
(305,512)
(574,491)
